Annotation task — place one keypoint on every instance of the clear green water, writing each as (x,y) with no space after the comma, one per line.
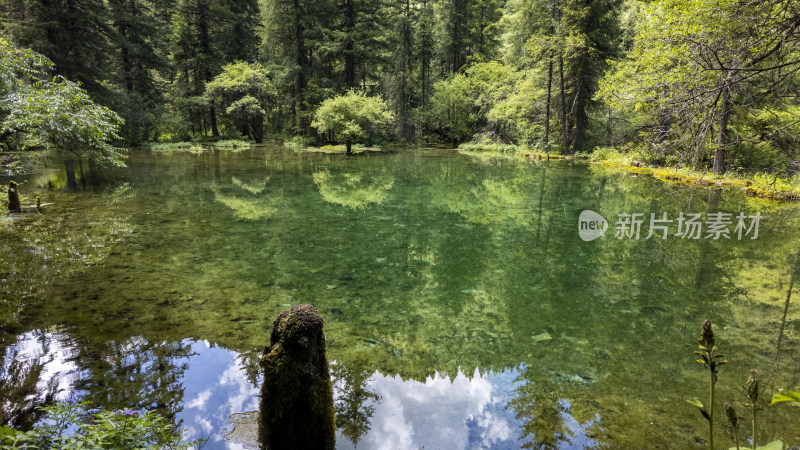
(461,306)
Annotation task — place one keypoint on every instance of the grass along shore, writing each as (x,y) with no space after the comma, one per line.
(763,185)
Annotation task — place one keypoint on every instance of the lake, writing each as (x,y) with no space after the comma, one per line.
(464,304)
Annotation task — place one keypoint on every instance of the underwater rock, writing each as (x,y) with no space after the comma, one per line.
(245,429)
(471,291)
(296,409)
(545,336)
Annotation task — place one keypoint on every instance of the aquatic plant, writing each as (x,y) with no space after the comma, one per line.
(752,395)
(711,360)
(65,427)
(496,148)
(733,419)
(788,396)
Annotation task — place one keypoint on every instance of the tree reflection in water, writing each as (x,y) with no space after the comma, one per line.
(35,370)
(354,401)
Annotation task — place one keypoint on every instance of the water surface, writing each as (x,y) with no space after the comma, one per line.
(462,308)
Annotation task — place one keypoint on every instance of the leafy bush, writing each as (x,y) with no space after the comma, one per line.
(453,113)
(352,117)
(65,427)
(497,148)
(42,111)
(621,155)
(246,95)
(775,183)
(232,144)
(296,143)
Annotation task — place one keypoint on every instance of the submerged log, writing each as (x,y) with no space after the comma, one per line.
(296,409)
(13,198)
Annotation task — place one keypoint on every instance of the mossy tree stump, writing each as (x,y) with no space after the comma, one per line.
(296,408)
(13,198)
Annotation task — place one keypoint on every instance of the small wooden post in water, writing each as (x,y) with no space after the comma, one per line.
(13,198)
(296,410)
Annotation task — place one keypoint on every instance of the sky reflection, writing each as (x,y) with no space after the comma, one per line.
(444,411)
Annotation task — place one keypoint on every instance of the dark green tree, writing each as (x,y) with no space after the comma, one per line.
(70,33)
(246,95)
(292,46)
(137,57)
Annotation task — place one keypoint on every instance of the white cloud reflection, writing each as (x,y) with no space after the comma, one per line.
(54,351)
(216,385)
(457,413)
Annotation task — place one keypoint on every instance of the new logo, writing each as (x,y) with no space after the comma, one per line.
(591,225)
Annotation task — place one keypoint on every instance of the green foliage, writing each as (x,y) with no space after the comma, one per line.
(246,95)
(73,425)
(296,143)
(231,144)
(39,111)
(787,396)
(496,148)
(453,113)
(352,117)
(711,77)
(621,155)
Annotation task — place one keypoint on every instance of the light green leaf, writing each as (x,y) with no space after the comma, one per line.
(788,396)
(774,445)
(696,403)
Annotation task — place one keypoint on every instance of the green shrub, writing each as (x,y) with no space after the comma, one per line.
(232,144)
(497,148)
(297,143)
(71,424)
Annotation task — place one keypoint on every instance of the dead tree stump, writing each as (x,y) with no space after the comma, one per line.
(13,198)
(296,408)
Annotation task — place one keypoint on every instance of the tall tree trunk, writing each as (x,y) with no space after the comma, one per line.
(722,137)
(213,113)
(547,107)
(564,125)
(665,121)
(122,28)
(579,105)
(205,73)
(349,54)
(302,66)
(552,30)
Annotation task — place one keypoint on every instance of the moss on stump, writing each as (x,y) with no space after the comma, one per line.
(296,408)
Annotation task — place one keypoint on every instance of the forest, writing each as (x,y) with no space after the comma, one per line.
(702,84)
